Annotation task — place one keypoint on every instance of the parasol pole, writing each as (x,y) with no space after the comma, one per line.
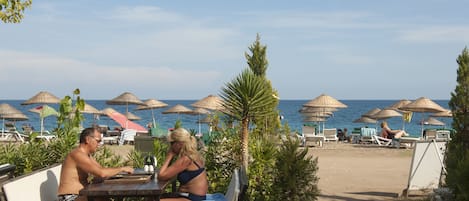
(153,117)
(3,127)
(126,112)
(198,118)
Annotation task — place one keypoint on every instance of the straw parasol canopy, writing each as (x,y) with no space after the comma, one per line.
(317,114)
(6,109)
(386,113)
(131,116)
(314,109)
(88,109)
(42,97)
(432,121)
(314,119)
(399,104)
(371,113)
(210,102)
(151,104)
(125,98)
(205,120)
(365,120)
(446,113)
(108,111)
(325,101)
(8,112)
(423,104)
(178,109)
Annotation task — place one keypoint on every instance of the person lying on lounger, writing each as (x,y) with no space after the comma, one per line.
(386,132)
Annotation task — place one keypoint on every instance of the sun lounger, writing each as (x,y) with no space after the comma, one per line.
(367,134)
(381,141)
(309,135)
(330,134)
(127,135)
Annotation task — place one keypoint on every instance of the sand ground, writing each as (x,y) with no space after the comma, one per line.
(354,172)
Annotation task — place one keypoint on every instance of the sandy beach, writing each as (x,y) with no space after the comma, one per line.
(354,172)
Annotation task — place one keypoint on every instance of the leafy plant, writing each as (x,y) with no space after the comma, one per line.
(457,157)
(295,177)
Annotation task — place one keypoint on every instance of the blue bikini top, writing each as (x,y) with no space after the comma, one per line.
(187,175)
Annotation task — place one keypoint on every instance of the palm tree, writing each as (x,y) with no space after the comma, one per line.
(245,97)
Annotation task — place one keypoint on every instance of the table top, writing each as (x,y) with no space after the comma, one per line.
(150,188)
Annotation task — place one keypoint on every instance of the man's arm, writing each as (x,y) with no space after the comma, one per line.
(89,165)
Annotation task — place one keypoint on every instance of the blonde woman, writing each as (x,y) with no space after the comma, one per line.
(386,132)
(189,167)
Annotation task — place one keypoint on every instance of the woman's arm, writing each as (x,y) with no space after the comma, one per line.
(168,171)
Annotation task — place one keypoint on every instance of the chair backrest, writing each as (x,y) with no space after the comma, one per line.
(308,130)
(430,134)
(330,131)
(368,132)
(233,188)
(127,135)
(40,185)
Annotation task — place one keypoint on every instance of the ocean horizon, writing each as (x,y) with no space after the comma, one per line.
(289,110)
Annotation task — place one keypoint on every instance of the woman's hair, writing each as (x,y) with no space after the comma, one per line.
(190,144)
(383,124)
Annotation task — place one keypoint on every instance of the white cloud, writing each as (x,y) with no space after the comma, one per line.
(435,34)
(139,14)
(33,72)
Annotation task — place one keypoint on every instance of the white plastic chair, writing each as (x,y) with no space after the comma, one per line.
(231,194)
(127,135)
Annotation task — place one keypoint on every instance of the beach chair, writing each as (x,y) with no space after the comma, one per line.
(330,134)
(381,141)
(366,135)
(430,134)
(236,189)
(128,136)
(309,135)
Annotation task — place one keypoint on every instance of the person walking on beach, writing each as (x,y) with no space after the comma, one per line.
(386,132)
(189,168)
(79,164)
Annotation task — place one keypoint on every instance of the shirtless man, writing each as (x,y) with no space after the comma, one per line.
(78,164)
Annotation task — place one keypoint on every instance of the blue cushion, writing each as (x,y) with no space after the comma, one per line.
(215,197)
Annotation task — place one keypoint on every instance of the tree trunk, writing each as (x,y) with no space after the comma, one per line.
(245,141)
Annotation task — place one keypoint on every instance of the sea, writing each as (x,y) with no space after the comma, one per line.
(289,112)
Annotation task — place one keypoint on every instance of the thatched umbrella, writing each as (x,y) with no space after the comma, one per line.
(366,120)
(42,97)
(324,101)
(386,113)
(9,112)
(432,121)
(210,102)
(399,104)
(371,112)
(446,113)
(151,104)
(131,116)
(125,98)
(423,105)
(198,111)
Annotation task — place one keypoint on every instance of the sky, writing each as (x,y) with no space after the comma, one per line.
(363,49)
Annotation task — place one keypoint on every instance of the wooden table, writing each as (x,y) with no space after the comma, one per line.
(151,190)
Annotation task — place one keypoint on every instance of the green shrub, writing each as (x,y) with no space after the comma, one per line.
(295,178)
(221,157)
(261,169)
